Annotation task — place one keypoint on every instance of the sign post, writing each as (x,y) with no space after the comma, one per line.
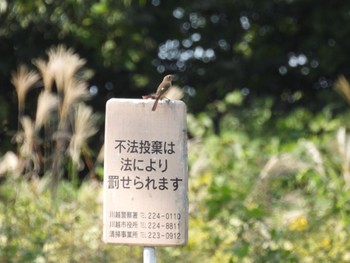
(145,174)
(149,255)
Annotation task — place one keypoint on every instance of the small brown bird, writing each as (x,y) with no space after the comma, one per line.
(162,90)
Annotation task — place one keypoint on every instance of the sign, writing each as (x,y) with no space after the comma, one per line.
(145,173)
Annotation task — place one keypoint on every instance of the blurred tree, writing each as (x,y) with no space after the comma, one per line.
(288,49)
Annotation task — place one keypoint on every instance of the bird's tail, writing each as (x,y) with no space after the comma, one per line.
(155,104)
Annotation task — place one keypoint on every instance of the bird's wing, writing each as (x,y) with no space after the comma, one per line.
(166,87)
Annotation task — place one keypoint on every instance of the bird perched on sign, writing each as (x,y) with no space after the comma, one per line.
(162,90)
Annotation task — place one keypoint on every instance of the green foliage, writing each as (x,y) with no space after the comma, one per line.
(267,48)
(268,188)
(262,188)
(34,228)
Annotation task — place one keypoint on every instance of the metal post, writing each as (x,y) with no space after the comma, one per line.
(149,255)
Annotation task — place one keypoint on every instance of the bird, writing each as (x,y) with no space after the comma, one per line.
(162,90)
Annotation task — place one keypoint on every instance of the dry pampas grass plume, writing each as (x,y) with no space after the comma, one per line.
(47,102)
(45,72)
(175,93)
(343,143)
(84,127)
(343,87)
(28,142)
(27,137)
(62,65)
(75,91)
(9,164)
(23,79)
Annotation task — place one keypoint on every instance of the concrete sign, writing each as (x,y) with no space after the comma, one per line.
(145,173)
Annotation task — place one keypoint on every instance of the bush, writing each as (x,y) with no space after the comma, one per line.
(262,188)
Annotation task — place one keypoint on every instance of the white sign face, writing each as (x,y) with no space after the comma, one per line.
(145,173)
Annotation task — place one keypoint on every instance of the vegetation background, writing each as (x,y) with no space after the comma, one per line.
(269,147)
